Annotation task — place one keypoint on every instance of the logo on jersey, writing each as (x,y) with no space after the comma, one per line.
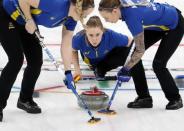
(106,51)
(86,52)
(11,26)
(52,18)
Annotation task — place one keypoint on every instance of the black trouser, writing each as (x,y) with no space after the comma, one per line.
(17,42)
(117,57)
(113,59)
(169,43)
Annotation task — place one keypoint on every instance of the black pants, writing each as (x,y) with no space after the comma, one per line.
(17,42)
(115,58)
(169,43)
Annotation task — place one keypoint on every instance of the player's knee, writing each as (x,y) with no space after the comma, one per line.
(158,66)
(16,62)
(35,65)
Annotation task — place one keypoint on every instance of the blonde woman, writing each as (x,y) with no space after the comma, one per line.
(102,49)
(17,38)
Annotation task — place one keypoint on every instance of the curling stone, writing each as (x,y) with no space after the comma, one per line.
(95,99)
(180,81)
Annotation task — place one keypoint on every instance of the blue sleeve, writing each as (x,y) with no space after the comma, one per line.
(133,20)
(119,39)
(70,24)
(75,43)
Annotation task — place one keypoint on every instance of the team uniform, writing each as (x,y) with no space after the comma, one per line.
(104,56)
(48,14)
(158,17)
(158,22)
(17,42)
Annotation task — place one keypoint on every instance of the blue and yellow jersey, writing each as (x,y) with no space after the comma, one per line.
(93,55)
(50,13)
(160,17)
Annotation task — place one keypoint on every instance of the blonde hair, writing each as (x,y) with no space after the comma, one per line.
(82,5)
(79,8)
(95,21)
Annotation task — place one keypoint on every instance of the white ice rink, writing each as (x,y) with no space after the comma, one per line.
(60,111)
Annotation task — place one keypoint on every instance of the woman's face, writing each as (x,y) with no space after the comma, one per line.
(111,17)
(85,13)
(94,35)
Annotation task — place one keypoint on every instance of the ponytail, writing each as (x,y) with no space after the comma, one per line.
(82,5)
(79,10)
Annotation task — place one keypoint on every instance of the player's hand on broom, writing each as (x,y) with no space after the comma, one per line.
(30,26)
(77,75)
(124,74)
(69,81)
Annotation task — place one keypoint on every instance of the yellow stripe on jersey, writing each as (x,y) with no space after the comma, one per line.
(36,11)
(86,60)
(15,15)
(64,27)
(164,28)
